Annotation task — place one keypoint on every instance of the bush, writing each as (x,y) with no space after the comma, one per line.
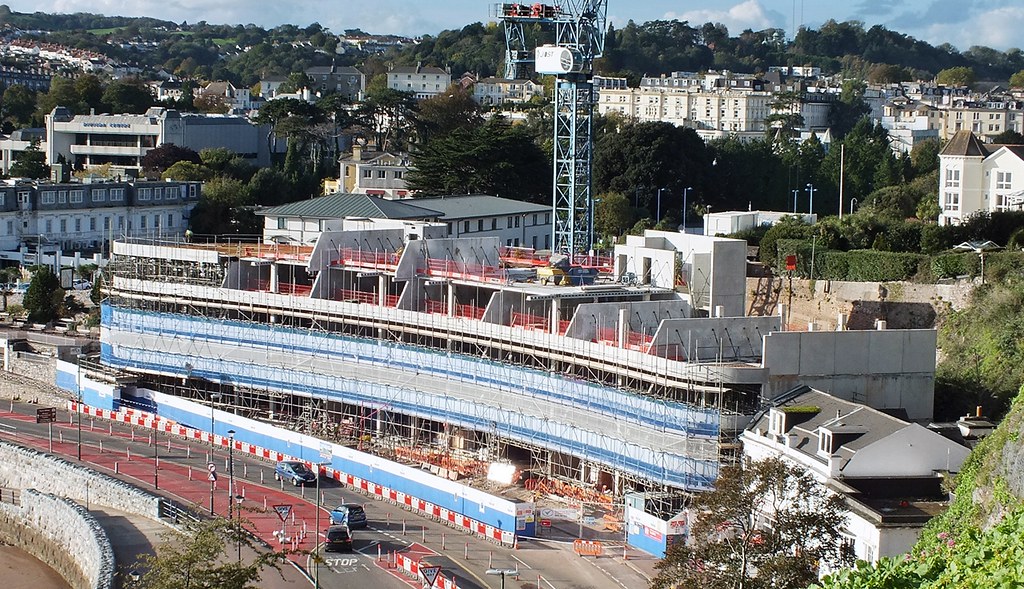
(874,266)
(949,265)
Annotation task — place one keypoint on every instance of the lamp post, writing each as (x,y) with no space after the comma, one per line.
(853,201)
(316,562)
(502,573)
(156,454)
(810,205)
(231,471)
(659,205)
(686,191)
(796,191)
(213,400)
(78,406)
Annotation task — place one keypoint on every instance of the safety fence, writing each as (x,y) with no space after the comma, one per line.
(372,260)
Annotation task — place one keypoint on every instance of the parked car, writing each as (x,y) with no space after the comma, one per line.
(350,514)
(338,538)
(81,284)
(297,473)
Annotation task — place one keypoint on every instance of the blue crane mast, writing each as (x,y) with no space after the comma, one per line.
(579,27)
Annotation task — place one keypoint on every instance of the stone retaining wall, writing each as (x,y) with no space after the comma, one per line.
(63,535)
(24,468)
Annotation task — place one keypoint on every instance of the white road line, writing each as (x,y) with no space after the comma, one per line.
(514,557)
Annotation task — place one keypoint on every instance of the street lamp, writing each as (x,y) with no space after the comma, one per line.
(853,201)
(502,573)
(78,405)
(810,205)
(796,191)
(659,205)
(316,562)
(686,191)
(231,471)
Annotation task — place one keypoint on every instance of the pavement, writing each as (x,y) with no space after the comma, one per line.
(182,474)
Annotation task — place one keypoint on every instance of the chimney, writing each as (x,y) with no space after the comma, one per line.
(977,411)
(419,66)
(880,325)
(839,413)
(357,152)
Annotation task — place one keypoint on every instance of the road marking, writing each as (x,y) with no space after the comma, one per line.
(514,557)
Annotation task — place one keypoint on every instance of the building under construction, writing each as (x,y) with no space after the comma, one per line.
(443,352)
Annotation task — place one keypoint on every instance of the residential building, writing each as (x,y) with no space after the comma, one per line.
(123,140)
(167,90)
(344,80)
(83,216)
(269,86)
(514,222)
(888,469)
(975,177)
(32,78)
(15,143)
(496,91)
(910,123)
(236,99)
(376,173)
(422,81)
(984,118)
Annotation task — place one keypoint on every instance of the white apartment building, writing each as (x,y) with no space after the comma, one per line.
(984,119)
(976,177)
(423,81)
(496,91)
(909,123)
(81,216)
(514,222)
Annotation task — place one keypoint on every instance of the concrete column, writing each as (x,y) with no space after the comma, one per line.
(7,355)
(451,299)
(623,327)
(382,290)
(556,304)
(274,280)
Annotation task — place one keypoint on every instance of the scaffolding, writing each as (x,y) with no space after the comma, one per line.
(457,452)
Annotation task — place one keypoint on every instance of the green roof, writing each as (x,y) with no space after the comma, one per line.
(472,206)
(342,205)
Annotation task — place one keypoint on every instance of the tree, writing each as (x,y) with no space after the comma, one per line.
(453,109)
(732,545)
(387,115)
(128,95)
(1008,137)
(956,76)
(44,297)
(18,105)
(613,214)
(1017,80)
(30,163)
(201,558)
(164,156)
(183,170)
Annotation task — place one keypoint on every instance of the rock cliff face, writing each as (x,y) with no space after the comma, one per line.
(998,486)
(902,305)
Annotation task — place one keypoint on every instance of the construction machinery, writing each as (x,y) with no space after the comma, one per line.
(579,31)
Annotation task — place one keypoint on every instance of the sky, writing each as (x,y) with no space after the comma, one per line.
(962,23)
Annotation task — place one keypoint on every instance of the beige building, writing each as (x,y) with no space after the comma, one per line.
(488,91)
(713,114)
(376,173)
(985,120)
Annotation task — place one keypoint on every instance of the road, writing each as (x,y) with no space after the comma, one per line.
(550,565)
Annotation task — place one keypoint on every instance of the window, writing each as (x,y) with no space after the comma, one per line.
(156,221)
(951,201)
(78,224)
(535,218)
(382,174)
(99,194)
(824,442)
(399,174)
(92,223)
(63,225)
(547,219)
(49,225)
(120,221)
(449,228)
(23,198)
(1003,180)
(465,226)
(282,223)
(777,424)
(192,188)
(48,198)
(62,197)
(494,224)
(367,173)
(952,178)
(508,223)
(76,196)
(158,194)
(116,194)
(517,222)
(479,224)
(106,223)
(145,193)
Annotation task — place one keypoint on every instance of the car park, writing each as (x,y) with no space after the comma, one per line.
(295,472)
(338,538)
(350,514)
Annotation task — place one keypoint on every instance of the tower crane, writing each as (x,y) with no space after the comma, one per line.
(579,27)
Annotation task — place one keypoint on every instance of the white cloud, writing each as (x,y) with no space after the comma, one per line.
(998,28)
(746,15)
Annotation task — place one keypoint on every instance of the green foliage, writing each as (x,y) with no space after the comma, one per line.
(1017,80)
(44,297)
(451,110)
(787,228)
(956,76)
(30,163)
(187,171)
(953,265)
(163,157)
(613,214)
(128,96)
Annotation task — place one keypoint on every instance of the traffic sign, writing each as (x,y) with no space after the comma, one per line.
(211,467)
(212,477)
(326,451)
(430,574)
(46,415)
(283,511)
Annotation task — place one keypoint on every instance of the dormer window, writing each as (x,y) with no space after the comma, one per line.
(824,442)
(778,422)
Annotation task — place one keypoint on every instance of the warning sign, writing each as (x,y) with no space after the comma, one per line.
(283,511)
(430,574)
